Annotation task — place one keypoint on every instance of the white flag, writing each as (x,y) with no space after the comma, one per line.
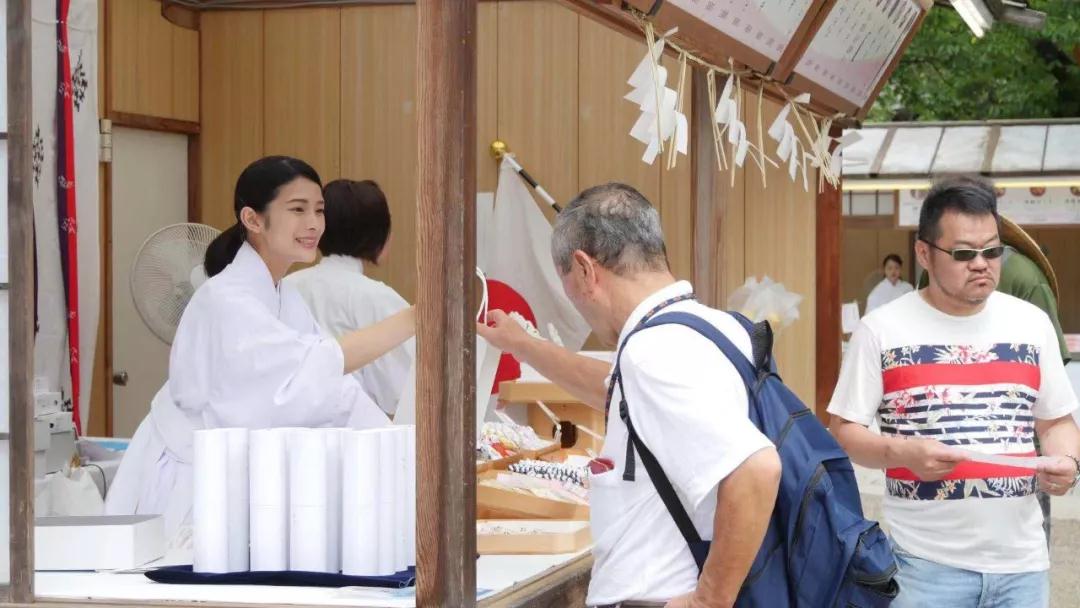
(514,247)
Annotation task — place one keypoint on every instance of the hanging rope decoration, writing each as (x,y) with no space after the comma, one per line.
(663,120)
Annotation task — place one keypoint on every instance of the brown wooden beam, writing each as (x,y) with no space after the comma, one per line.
(153,123)
(446,330)
(703,176)
(21,301)
(828,294)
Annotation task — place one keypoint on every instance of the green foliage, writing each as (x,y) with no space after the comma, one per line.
(1013,72)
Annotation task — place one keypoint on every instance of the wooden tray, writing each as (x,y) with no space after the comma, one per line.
(504,463)
(493,503)
(551,536)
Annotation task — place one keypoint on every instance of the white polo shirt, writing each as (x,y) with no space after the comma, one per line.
(689,405)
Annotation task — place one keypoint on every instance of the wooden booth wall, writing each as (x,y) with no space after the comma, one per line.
(337,87)
(863,250)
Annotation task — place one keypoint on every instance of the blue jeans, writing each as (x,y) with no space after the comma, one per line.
(925,583)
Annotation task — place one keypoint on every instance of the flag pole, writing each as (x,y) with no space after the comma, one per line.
(499,150)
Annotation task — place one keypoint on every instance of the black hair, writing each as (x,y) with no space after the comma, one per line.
(892,257)
(966,195)
(257,185)
(357,219)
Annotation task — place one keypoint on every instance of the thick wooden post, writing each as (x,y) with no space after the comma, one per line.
(829,242)
(446,258)
(21,301)
(703,178)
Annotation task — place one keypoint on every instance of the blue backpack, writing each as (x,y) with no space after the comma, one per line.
(818,551)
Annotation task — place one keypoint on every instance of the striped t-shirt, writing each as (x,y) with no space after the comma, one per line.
(976,383)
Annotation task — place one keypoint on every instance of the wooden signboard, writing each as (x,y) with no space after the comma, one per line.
(758,34)
(839,51)
(854,50)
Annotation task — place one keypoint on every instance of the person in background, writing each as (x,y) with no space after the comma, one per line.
(341,297)
(955,373)
(247,352)
(891,287)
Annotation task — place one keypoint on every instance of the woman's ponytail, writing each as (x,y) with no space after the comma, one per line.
(223,249)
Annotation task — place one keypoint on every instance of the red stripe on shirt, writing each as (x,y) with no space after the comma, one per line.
(969,374)
(970,470)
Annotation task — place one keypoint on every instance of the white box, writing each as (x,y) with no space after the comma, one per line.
(105,542)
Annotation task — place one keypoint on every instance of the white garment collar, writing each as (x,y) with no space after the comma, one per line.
(343,262)
(676,289)
(249,269)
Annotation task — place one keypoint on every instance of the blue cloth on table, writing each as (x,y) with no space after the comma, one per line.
(184,575)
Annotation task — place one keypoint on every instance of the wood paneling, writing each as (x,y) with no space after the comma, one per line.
(185,71)
(860,263)
(676,194)
(487,95)
(153,64)
(606,58)
(780,240)
(378,124)
(302,86)
(232,107)
(538,91)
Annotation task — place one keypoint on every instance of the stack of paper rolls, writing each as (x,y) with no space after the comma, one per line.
(313,500)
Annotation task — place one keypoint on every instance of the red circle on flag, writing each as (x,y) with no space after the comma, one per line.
(505,298)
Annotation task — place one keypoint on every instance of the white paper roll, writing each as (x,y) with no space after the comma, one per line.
(237,516)
(360,511)
(389,522)
(308,512)
(401,493)
(333,497)
(410,497)
(269,500)
(210,501)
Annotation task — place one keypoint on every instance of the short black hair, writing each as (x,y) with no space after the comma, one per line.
(892,257)
(357,219)
(966,195)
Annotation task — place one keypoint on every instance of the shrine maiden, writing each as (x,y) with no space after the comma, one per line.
(339,293)
(248,352)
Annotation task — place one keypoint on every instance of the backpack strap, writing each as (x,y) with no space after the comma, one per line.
(698,548)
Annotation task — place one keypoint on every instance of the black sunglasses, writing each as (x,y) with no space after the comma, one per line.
(966,255)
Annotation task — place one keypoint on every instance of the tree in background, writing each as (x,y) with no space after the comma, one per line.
(1013,72)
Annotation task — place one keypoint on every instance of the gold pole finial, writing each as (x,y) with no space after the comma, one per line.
(499,149)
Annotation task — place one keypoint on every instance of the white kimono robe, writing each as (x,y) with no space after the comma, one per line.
(342,300)
(246,354)
(886,292)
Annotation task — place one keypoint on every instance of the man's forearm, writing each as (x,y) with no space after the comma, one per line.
(744,505)
(863,446)
(1059,437)
(581,376)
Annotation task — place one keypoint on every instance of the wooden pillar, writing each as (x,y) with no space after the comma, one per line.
(446,258)
(829,235)
(703,175)
(21,301)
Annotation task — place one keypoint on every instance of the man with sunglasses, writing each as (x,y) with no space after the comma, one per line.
(961,378)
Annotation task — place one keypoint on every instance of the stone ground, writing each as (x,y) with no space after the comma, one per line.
(1064,538)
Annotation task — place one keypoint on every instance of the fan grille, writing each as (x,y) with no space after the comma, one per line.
(161,275)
